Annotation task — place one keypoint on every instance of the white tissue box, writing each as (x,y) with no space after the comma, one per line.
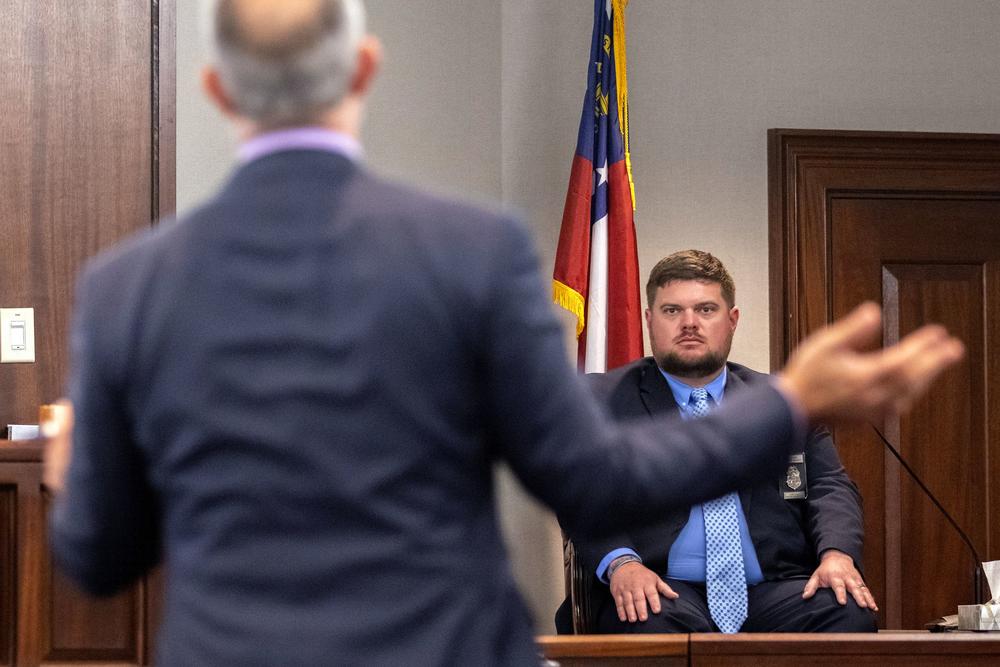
(980,617)
(22,431)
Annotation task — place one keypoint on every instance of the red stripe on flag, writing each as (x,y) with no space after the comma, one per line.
(572,266)
(624,307)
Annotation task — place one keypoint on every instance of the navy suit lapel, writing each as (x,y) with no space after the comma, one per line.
(655,392)
(656,397)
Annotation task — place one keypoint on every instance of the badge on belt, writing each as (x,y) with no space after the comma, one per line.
(794,484)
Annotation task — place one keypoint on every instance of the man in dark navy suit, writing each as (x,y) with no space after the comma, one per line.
(798,534)
(295,395)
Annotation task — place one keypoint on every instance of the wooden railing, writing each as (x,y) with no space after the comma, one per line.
(779,650)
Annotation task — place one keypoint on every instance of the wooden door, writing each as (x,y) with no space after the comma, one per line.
(87,100)
(911,221)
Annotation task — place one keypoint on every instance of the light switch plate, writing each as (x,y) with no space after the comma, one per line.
(17,335)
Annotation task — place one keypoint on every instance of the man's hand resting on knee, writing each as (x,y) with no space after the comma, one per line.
(836,571)
(635,587)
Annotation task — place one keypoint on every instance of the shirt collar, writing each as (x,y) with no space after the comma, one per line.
(301,138)
(682,392)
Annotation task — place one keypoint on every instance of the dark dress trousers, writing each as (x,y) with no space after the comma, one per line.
(788,535)
(295,397)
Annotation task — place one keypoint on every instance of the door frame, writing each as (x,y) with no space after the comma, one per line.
(807,169)
(798,161)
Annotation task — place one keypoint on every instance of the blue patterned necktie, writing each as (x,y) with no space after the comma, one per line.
(725,577)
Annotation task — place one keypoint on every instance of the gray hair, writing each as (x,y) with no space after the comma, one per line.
(292,76)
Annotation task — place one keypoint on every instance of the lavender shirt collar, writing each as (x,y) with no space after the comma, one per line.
(301,138)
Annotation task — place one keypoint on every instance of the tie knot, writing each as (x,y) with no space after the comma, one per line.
(699,402)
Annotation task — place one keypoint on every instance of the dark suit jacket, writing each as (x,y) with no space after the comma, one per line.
(296,396)
(788,535)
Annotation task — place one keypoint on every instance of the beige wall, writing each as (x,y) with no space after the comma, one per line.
(482,98)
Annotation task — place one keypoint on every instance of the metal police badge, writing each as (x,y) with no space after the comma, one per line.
(794,485)
(793,478)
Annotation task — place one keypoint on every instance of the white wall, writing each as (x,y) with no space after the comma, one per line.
(482,98)
(709,78)
(434,116)
(205,144)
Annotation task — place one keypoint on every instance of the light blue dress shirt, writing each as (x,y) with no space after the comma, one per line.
(686,560)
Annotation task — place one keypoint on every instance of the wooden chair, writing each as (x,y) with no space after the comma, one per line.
(577,584)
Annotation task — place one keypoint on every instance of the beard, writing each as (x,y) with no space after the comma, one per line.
(702,366)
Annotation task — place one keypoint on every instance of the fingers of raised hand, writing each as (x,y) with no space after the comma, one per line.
(857,329)
(890,380)
(930,362)
(907,368)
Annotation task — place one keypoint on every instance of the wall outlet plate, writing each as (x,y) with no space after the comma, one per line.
(17,335)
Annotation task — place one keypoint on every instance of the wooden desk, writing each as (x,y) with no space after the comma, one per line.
(883,648)
(705,650)
(618,650)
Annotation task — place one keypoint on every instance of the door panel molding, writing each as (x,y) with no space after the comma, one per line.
(911,220)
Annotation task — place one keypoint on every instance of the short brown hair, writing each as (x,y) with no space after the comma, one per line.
(690,265)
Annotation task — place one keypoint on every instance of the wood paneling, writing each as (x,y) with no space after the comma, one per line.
(165,107)
(53,622)
(77,627)
(911,221)
(882,649)
(164,205)
(8,571)
(944,438)
(87,150)
(77,160)
(901,649)
(952,295)
(619,650)
(20,475)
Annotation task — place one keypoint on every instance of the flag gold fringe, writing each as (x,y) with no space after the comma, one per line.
(566,297)
(621,80)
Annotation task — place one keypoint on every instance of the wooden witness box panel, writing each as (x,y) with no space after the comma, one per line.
(44,618)
(709,650)
(618,650)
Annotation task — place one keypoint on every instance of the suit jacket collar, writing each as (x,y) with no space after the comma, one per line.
(655,392)
(314,167)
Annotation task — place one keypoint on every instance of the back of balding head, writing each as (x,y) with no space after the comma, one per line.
(283,62)
(276,30)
